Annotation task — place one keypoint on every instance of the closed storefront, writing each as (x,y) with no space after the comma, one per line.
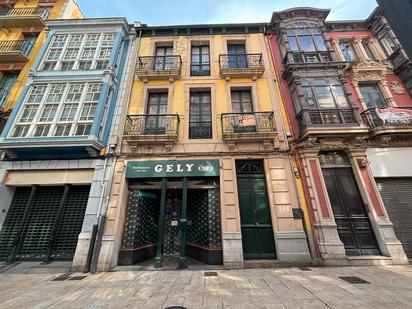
(43,223)
(393,177)
(396,194)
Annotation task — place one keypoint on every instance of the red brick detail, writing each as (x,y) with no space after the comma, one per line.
(370,189)
(7,3)
(319,189)
(31,31)
(11,67)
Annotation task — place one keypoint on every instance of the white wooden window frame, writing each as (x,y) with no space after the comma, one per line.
(72,52)
(34,121)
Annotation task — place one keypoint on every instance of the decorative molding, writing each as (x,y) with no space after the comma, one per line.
(397,88)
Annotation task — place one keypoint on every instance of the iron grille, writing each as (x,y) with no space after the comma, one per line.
(201,129)
(249,167)
(42,216)
(37,230)
(240,61)
(164,124)
(254,122)
(71,222)
(14,220)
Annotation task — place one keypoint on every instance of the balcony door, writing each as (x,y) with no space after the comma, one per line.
(156,109)
(242,107)
(237,55)
(372,96)
(200,122)
(162,59)
(6,83)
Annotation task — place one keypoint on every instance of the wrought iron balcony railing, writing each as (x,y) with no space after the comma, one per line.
(327,118)
(152,128)
(159,67)
(4,95)
(238,123)
(241,65)
(307,57)
(388,118)
(199,130)
(22,12)
(11,47)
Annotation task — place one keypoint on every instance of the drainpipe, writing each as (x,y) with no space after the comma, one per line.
(311,249)
(101,215)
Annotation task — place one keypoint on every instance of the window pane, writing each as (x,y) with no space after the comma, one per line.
(20,130)
(42,130)
(388,44)
(68,112)
(372,96)
(347,51)
(320,43)
(340,96)
(293,44)
(308,97)
(324,97)
(63,129)
(367,49)
(49,111)
(28,113)
(306,44)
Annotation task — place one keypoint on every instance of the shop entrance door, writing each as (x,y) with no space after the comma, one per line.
(256,223)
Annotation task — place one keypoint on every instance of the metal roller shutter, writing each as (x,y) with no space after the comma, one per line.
(396,194)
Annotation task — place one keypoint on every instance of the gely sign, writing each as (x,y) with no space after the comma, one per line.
(168,168)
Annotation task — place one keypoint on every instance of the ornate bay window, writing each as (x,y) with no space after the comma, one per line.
(305,43)
(79,51)
(58,110)
(323,101)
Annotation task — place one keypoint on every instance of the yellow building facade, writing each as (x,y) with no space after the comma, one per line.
(21,38)
(202,168)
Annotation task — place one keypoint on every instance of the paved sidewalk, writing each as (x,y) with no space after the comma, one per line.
(389,287)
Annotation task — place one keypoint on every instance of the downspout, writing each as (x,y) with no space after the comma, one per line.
(311,249)
(101,216)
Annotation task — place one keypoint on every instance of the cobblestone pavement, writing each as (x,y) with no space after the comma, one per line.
(388,287)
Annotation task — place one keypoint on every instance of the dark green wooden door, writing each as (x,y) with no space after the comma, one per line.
(256,223)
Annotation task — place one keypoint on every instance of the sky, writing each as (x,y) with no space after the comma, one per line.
(183,12)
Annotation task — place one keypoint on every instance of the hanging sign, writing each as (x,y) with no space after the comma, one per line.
(167,168)
(395,116)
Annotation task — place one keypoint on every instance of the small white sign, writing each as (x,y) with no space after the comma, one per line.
(173,223)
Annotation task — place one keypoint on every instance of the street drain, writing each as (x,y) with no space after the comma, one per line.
(175,307)
(354,280)
(210,274)
(77,277)
(305,269)
(62,277)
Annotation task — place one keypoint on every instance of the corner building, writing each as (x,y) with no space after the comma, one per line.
(203,169)
(57,157)
(329,73)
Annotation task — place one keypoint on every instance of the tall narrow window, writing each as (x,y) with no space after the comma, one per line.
(200,65)
(237,55)
(388,44)
(241,101)
(156,120)
(200,122)
(347,51)
(372,96)
(368,49)
(162,59)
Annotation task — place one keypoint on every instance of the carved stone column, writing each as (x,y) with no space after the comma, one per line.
(360,52)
